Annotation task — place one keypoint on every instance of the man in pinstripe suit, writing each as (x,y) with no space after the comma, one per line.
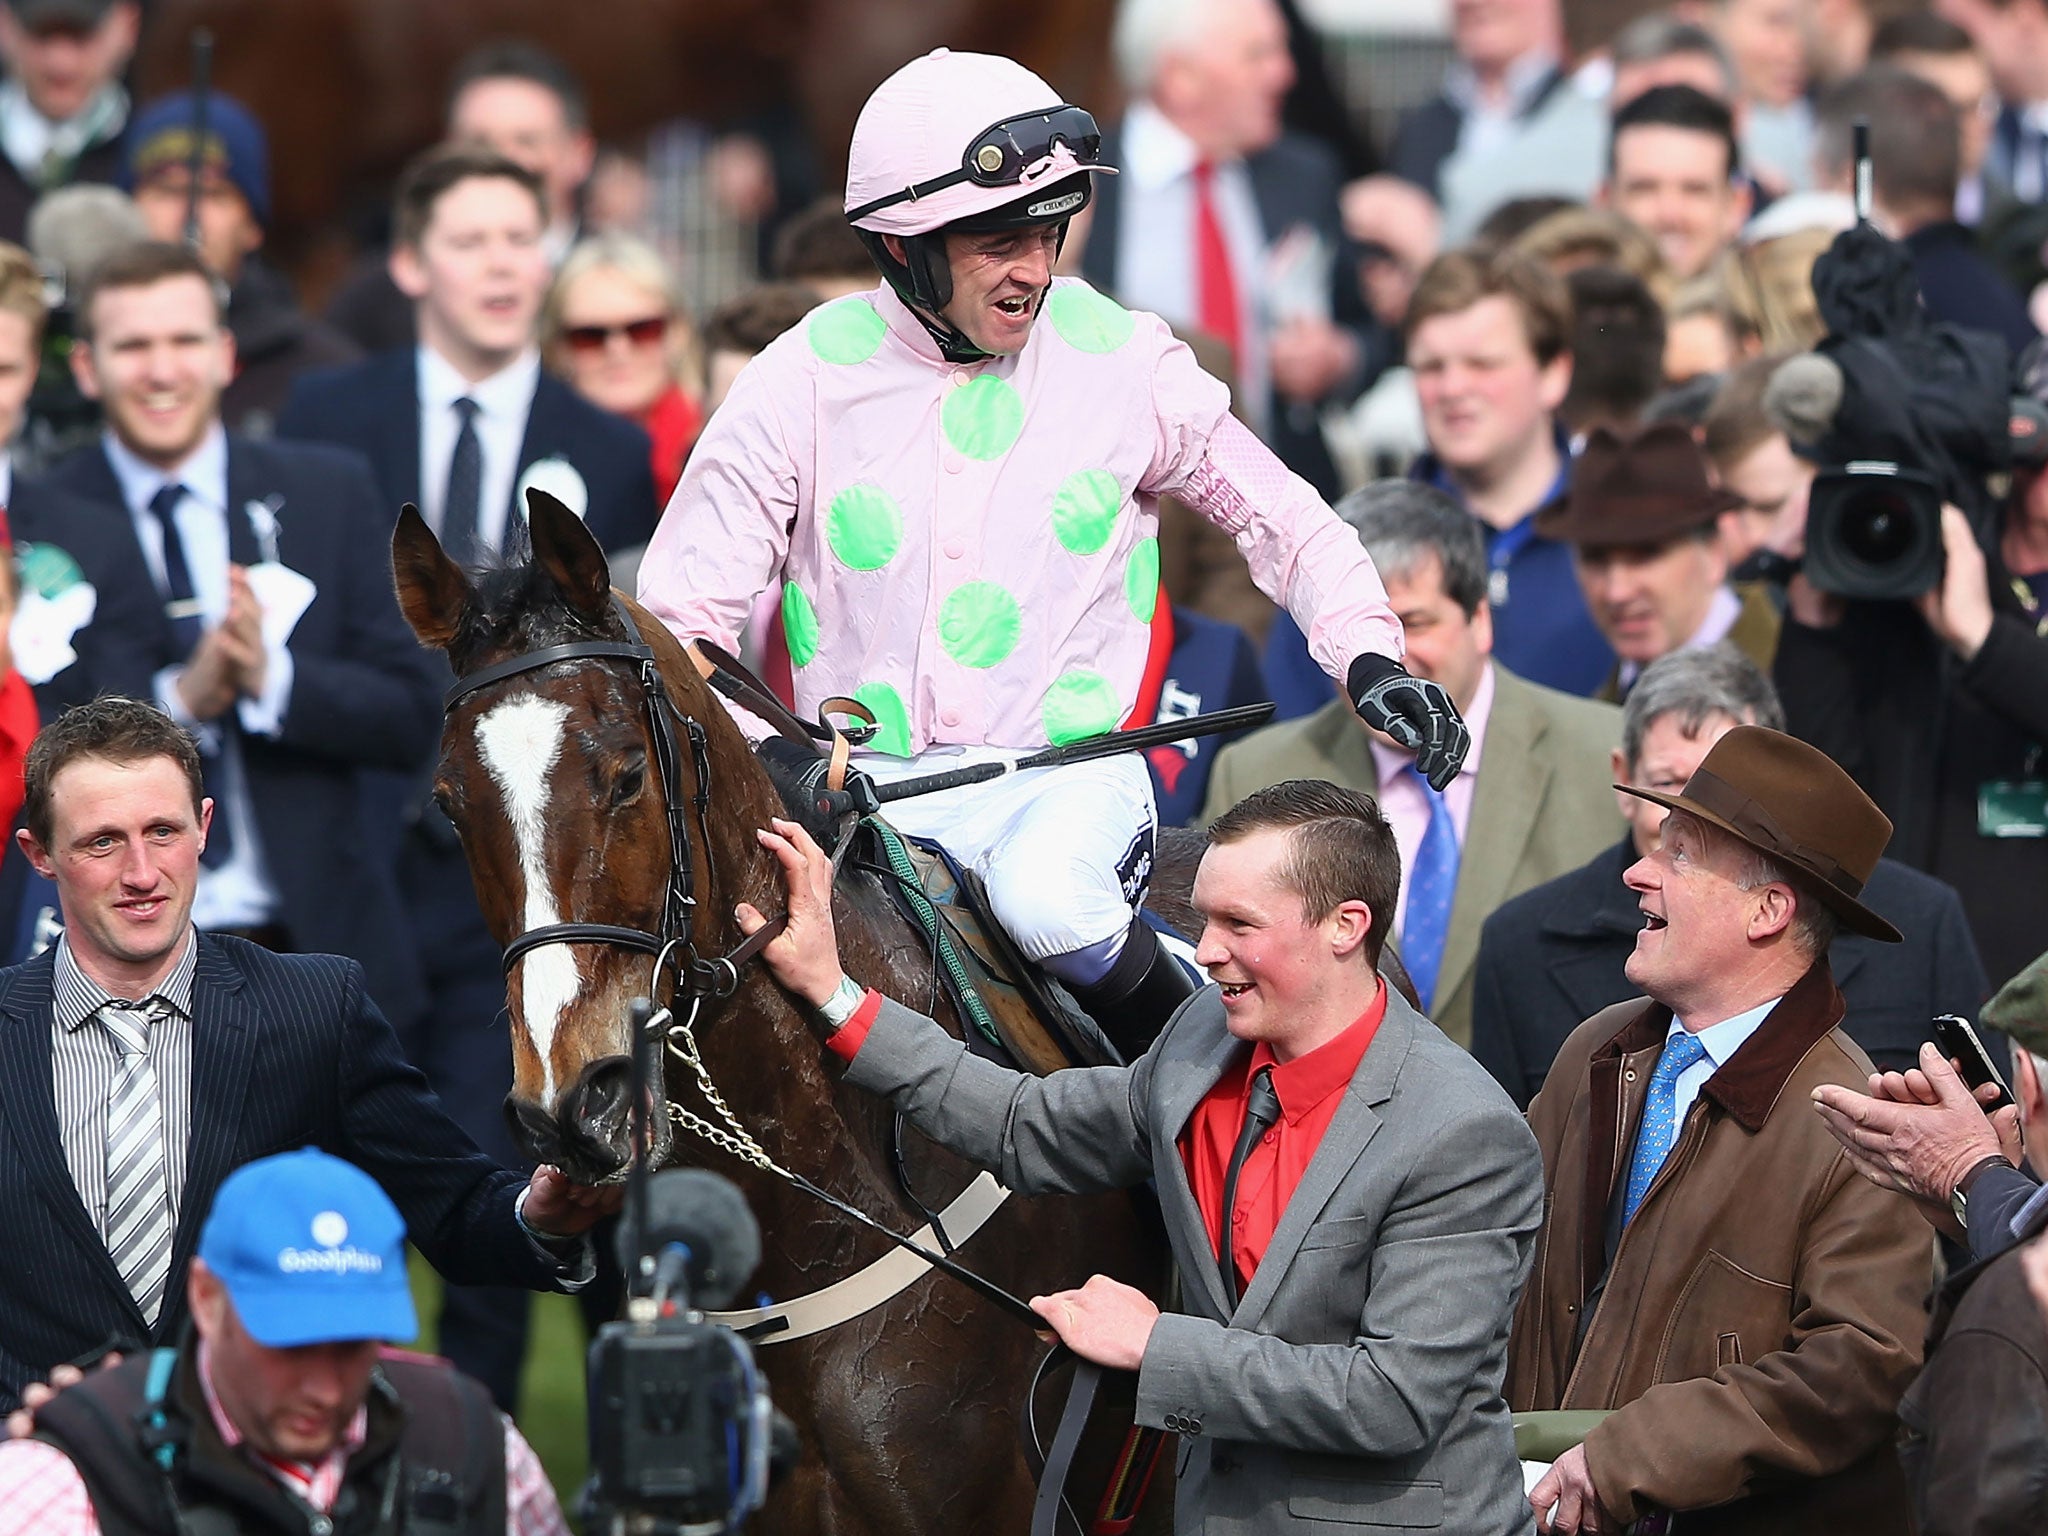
(141,1061)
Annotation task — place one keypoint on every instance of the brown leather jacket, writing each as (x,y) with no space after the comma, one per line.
(1761,1314)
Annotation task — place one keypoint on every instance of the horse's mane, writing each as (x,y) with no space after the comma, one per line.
(518,608)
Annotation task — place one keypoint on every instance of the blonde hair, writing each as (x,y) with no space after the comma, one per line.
(21,288)
(1596,237)
(640,264)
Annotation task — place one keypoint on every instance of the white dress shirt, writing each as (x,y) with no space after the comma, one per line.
(239,892)
(504,401)
(1721,1041)
(1155,259)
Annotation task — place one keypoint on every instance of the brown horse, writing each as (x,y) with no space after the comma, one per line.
(911,1413)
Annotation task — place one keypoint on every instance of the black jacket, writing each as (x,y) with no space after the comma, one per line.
(433,1446)
(275,342)
(287,1051)
(365,695)
(1552,957)
(1922,731)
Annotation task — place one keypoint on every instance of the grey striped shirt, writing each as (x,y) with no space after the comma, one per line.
(84,1062)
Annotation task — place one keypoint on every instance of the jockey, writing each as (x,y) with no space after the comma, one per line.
(961,501)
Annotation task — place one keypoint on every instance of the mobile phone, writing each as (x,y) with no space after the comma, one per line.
(1959,1043)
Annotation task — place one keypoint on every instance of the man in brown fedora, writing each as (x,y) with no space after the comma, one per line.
(1642,516)
(1713,1273)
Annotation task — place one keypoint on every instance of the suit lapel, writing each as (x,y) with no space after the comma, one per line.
(1351,1129)
(1514,775)
(544,435)
(29,1108)
(242,489)
(1177,1197)
(223,1045)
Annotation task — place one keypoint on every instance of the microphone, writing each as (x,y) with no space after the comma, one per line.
(703,1213)
(74,229)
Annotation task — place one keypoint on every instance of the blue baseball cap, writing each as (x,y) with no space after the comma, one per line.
(311,1252)
(161,137)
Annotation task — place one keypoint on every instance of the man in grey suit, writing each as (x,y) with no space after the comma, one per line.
(1529,803)
(1344,1362)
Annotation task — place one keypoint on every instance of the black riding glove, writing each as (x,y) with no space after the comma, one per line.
(1415,712)
(806,768)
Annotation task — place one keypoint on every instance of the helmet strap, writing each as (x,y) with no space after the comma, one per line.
(923,280)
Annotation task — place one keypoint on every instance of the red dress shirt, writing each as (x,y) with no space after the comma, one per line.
(1310,1089)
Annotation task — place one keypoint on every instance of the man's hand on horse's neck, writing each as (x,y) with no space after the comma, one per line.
(805,955)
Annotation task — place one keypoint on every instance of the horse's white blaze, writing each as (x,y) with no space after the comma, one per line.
(519,742)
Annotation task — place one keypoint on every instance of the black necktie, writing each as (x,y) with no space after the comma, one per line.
(459,535)
(181,606)
(1261,1109)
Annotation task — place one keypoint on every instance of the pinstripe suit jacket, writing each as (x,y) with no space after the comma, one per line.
(287,1051)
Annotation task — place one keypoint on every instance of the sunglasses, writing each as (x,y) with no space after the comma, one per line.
(1002,152)
(593,338)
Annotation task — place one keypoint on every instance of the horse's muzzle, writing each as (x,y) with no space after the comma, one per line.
(589,1137)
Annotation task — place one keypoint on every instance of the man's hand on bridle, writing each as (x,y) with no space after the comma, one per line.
(805,955)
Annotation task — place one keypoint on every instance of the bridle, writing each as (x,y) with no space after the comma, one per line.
(696,978)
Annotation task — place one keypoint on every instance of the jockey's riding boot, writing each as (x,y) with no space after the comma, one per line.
(1139,994)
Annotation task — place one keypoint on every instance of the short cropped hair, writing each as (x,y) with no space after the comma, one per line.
(440,170)
(1695,685)
(1918,32)
(1915,137)
(755,316)
(1737,424)
(1617,349)
(1595,237)
(1458,279)
(1340,849)
(517,59)
(1661,35)
(144,265)
(115,730)
(818,242)
(1677,106)
(21,289)
(1401,521)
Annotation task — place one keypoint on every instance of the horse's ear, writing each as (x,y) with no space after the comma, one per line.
(432,590)
(569,554)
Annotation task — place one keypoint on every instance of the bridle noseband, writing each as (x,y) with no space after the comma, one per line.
(696,978)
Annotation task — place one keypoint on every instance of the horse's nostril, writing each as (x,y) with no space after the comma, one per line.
(533,1130)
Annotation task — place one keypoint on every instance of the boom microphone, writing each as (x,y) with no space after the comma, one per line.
(705,1214)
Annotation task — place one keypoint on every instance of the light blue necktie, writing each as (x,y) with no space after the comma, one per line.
(1660,1118)
(1432,884)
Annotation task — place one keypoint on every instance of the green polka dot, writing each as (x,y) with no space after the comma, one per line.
(1141,579)
(892,720)
(1080,704)
(864,526)
(979,624)
(846,333)
(983,416)
(1088,321)
(799,624)
(1084,512)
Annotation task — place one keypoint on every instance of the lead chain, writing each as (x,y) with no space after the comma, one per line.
(732,1137)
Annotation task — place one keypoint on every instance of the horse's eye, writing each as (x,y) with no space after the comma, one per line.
(445,796)
(629,784)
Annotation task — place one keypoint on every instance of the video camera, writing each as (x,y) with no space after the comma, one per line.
(1902,413)
(683,1438)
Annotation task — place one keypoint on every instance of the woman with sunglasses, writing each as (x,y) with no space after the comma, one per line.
(615,327)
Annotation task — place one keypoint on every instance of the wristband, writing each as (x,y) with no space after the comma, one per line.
(841,1005)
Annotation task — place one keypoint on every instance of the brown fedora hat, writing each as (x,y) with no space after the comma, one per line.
(1643,489)
(1793,802)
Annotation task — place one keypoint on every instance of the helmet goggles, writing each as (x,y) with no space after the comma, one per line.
(1008,153)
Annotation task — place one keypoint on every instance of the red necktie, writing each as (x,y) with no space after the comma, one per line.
(1215,284)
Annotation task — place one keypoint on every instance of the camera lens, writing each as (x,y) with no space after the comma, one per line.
(1878,528)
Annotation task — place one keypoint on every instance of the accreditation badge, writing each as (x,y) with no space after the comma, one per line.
(2012,808)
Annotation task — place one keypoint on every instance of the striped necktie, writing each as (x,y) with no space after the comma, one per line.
(138,1195)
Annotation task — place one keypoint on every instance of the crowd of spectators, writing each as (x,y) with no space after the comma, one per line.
(1533,361)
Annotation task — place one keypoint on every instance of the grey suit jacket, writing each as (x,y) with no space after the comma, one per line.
(1542,805)
(1359,1379)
